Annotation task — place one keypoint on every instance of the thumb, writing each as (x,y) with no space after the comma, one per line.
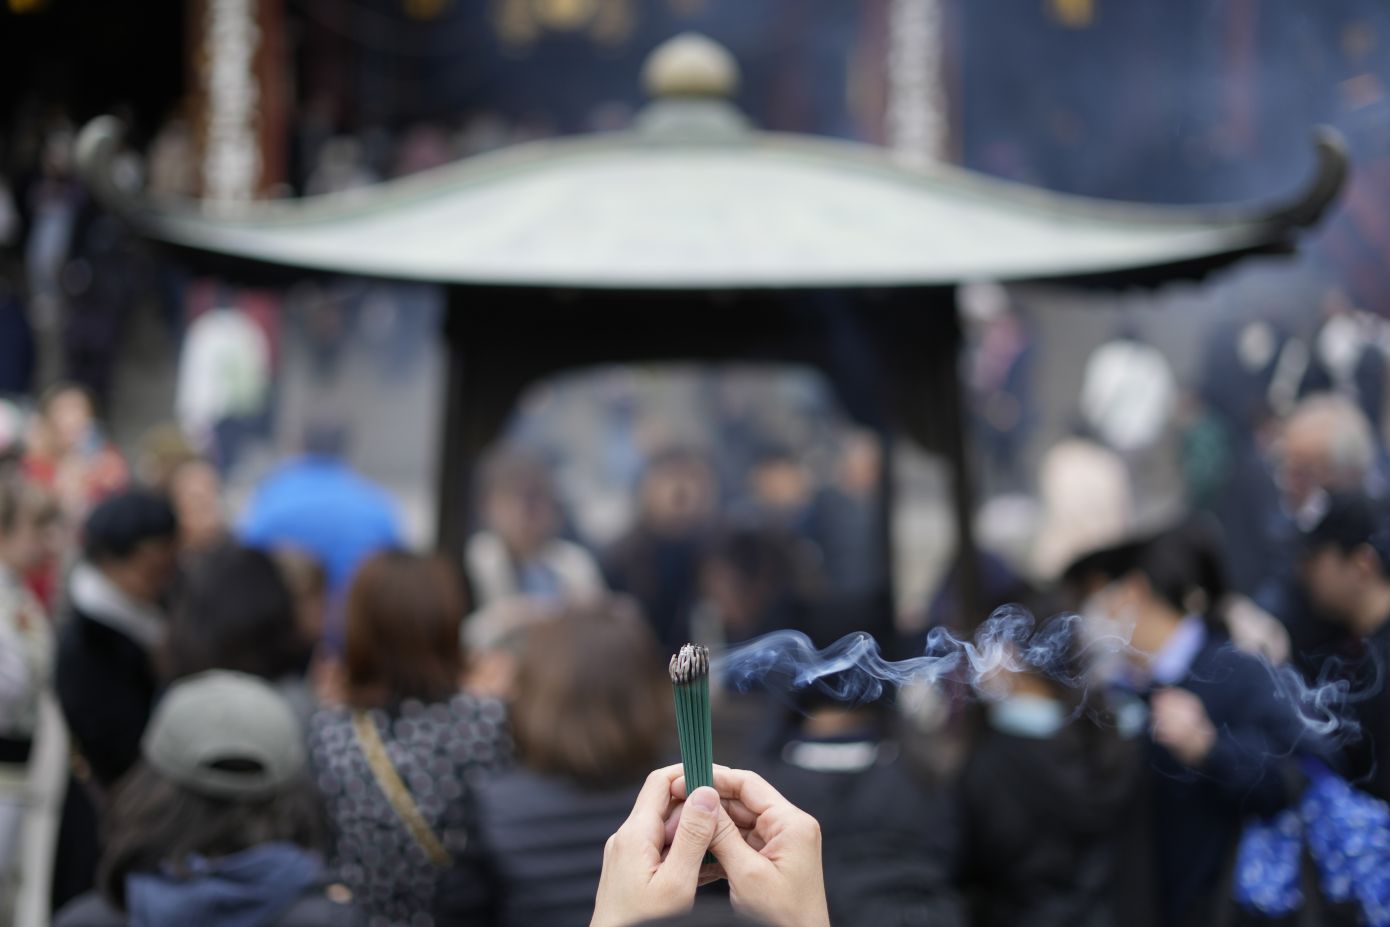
(693,835)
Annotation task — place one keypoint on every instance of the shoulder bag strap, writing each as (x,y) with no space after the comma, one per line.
(389,781)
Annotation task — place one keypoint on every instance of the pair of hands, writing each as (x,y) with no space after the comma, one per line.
(767,848)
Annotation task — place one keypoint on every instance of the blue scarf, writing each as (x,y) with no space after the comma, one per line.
(252,888)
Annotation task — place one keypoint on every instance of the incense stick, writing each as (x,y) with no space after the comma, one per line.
(690,686)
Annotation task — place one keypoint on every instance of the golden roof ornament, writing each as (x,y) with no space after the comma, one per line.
(690,65)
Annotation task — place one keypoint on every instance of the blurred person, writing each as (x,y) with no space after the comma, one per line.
(1325,446)
(658,560)
(1087,502)
(116,602)
(891,837)
(398,762)
(218,825)
(105,672)
(1128,394)
(519,550)
(195,489)
(845,521)
(224,380)
(1348,356)
(308,585)
(55,200)
(68,453)
(236,612)
(162,449)
(751,583)
(767,849)
(1226,429)
(26,644)
(307,581)
(1000,362)
(585,737)
(1222,744)
(779,489)
(318,504)
(1046,794)
(1346,572)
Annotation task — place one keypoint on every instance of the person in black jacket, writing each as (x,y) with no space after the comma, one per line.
(591,716)
(218,825)
(1346,572)
(890,837)
(105,670)
(1222,745)
(1046,795)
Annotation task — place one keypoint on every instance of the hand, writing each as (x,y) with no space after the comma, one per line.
(773,859)
(639,881)
(1180,723)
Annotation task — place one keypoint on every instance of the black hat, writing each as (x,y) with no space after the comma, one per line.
(122,522)
(1346,521)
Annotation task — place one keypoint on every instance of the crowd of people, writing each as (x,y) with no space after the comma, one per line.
(289,718)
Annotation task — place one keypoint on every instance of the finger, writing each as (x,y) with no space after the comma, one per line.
(756,794)
(731,848)
(699,820)
(655,795)
(737,810)
(673,820)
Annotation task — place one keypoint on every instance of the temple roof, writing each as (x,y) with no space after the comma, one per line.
(693,198)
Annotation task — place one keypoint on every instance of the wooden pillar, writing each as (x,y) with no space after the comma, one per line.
(455,459)
(956,421)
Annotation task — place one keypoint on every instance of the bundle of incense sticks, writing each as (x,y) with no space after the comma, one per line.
(690,684)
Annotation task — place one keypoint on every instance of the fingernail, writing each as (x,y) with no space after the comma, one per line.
(704,800)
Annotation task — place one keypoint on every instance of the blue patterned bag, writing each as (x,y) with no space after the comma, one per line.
(1347,834)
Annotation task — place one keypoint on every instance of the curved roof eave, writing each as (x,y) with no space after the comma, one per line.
(639,210)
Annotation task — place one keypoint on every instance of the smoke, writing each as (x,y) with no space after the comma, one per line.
(1073,651)
(1323,708)
(853,669)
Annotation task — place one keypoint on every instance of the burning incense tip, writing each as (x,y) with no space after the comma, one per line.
(690,664)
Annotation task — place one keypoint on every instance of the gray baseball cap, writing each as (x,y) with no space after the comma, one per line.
(227,735)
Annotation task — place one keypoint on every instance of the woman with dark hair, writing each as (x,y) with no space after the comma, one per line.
(237,613)
(586,736)
(397,764)
(217,825)
(1221,744)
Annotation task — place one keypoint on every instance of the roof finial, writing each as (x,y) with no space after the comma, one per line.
(690,65)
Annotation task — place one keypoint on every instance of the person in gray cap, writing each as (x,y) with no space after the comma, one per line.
(218,824)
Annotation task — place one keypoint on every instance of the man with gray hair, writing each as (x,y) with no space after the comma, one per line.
(1326,445)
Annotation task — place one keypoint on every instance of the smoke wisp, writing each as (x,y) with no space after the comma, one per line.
(1072,651)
